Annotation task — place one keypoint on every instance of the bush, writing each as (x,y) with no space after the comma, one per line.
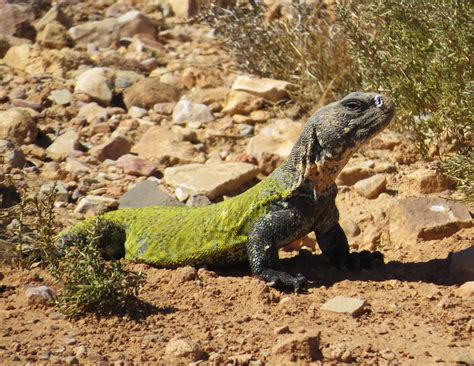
(306,49)
(421,52)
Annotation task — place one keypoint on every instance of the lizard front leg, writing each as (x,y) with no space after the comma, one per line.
(269,233)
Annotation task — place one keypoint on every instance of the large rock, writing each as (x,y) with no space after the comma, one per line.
(147,92)
(146,194)
(193,114)
(134,165)
(239,102)
(353,173)
(54,14)
(303,347)
(102,33)
(11,154)
(64,145)
(16,20)
(269,89)
(429,181)
(134,22)
(54,35)
(462,265)
(371,187)
(40,295)
(425,218)
(96,204)
(18,126)
(277,138)
(213,180)
(166,147)
(97,83)
(184,350)
(93,112)
(112,149)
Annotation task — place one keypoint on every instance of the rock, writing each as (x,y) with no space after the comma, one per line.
(96,204)
(351,229)
(467,288)
(342,304)
(134,165)
(6,42)
(269,89)
(54,35)
(93,112)
(69,341)
(239,102)
(282,329)
(338,352)
(137,112)
(385,167)
(125,79)
(112,149)
(184,349)
(40,295)
(97,83)
(386,140)
(213,180)
(193,114)
(198,200)
(147,193)
(16,20)
(268,162)
(71,360)
(246,130)
(18,57)
(61,96)
(425,218)
(64,145)
(165,147)
(277,138)
(184,274)
(371,187)
(297,347)
(102,33)
(430,181)
(134,22)
(75,167)
(145,93)
(353,173)
(60,191)
(462,265)
(54,14)
(185,8)
(17,126)
(11,154)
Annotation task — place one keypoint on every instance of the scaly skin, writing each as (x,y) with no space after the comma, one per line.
(297,198)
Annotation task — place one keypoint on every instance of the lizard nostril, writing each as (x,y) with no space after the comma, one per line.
(378,101)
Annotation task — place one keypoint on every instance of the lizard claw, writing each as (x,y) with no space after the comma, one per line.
(364,260)
(279,278)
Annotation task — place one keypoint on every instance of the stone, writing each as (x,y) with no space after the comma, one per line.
(145,93)
(428,181)
(61,97)
(71,360)
(192,114)
(134,165)
(64,145)
(125,79)
(137,112)
(269,89)
(60,191)
(386,140)
(54,14)
(371,187)
(239,102)
(277,138)
(11,154)
(282,329)
(346,305)
(385,167)
(16,20)
(134,22)
(185,8)
(353,173)
(166,147)
(93,112)
(302,347)
(96,204)
(18,126)
(425,218)
(147,193)
(75,167)
(467,288)
(213,180)
(351,229)
(184,349)
(40,295)
(97,83)
(198,200)
(462,265)
(338,352)
(6,42)
(54,35)
(112,149)
(102,33)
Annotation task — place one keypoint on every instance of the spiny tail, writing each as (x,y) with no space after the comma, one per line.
(109,237)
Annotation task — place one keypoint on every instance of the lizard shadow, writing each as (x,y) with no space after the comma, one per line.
(320,273)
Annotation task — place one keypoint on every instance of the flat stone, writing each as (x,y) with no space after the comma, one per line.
(302,347)
(239,102)
(425,218)
(166,147)
(18,126)
(353,173)
(11,154)
(428,181)
(137,112)
(97,83)
(342,304)
(145,93)
(93,112)
(40,295)
(125,79)
(192,114)
(113,149)
(96,204)
(134,165)
(277,138)
(213,180)
(371,187)
(269,89)
(351,229)
(462,265)
(102,33)
(198,200)
(75,167)
(61,96)
(64,145)
(147,193)
(184,349)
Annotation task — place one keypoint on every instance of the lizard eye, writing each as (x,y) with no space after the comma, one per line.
(353,105)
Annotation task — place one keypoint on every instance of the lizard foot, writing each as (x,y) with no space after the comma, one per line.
(279,278)
(364,260)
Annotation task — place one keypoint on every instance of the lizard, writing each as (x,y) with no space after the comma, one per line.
(297,198)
